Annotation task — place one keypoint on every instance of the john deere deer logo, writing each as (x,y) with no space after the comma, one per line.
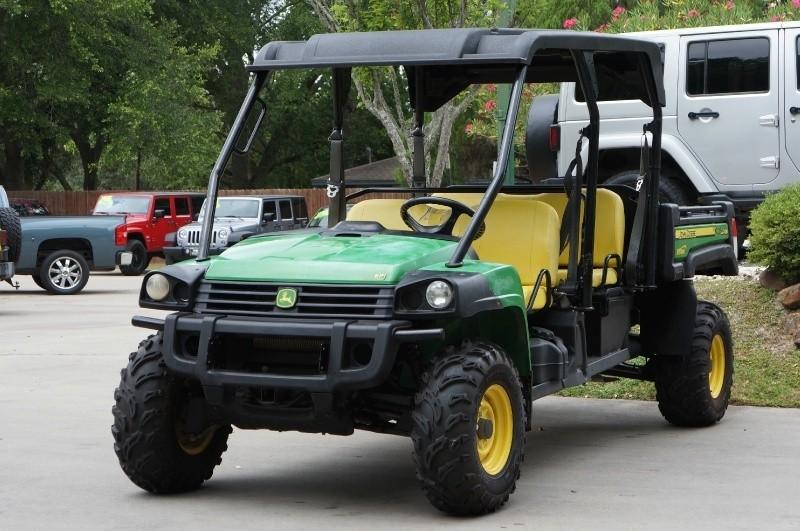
(287,297)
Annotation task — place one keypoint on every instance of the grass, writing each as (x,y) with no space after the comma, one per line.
(766,362)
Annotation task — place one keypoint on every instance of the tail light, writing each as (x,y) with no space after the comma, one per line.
(3,238)
(554,138)
(121,235)
(734,236)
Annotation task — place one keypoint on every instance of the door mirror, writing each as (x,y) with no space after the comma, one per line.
(267,217)
(159,213)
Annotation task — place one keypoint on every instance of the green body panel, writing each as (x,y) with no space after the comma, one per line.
(316,257)
(690,237)
(503,279)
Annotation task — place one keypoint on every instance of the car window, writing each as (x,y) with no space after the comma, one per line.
(269,208)
(797,63)
(731,66)
(286,209)
(618,77)
(162,203)
(197,203)
(299,206)
(181,206)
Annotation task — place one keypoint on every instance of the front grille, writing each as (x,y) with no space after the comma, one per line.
(193,237)
(313,300)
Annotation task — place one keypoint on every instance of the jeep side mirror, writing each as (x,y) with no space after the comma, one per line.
(159,213)
(267,217)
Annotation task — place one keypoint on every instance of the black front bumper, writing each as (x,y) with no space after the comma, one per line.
(385,337)
(173,255)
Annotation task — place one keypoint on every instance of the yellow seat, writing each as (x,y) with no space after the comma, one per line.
(387,213)
(609,232)
(523,234)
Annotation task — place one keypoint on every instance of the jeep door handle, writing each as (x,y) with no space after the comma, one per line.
(704,114)
(794,110)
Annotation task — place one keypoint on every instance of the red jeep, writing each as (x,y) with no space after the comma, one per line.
(152,219)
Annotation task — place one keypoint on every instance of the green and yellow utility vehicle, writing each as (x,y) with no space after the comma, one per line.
(443,316)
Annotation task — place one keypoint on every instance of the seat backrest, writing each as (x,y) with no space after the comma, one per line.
(609,232)
(387,213)
(521,233)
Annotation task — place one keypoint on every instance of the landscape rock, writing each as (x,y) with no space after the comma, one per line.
(790,297)
(771,280)
(792,327)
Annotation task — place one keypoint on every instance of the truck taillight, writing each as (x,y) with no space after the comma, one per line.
(3,238)
(120,235)
(734,236)
(554,138)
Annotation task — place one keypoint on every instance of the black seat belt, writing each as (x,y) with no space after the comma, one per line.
(573,194)
(633,258)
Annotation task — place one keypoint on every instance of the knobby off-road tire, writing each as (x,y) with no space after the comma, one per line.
(445,433)
(695,390)
(152,450)
(9,222)
(140,259)
(670,190)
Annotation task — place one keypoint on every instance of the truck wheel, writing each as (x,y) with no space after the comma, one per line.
(694,390)
(64,272)
(469,430)
(140,259)
(154,448)
(9,222)
(669,189)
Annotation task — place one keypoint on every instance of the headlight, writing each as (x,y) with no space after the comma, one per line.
(182,234)
(223,233)
(439,294)
(157,287)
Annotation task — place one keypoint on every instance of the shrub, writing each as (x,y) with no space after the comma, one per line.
(775,233)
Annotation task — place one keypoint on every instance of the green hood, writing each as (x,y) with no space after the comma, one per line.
(315,257)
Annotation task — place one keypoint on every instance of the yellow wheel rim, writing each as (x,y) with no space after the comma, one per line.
(194,444)
(495,429)
(716,375)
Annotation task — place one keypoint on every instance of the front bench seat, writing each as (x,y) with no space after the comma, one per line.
(523,234)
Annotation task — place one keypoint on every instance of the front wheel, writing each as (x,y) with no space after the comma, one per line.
(63,272)
(469,430)
(153,412)
(694,390)
(139,260)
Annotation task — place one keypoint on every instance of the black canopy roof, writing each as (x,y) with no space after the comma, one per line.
(448,60)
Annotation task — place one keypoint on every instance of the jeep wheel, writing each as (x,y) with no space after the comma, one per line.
(670,190)
(139,261)
(694,390)
(64,272)
(9,222)
(155,448)
(469,430)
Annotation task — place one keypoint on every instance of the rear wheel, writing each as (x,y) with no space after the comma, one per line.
(140,259)
(469,430)
(156,448)
(670,190)
(63,272)
(695,390)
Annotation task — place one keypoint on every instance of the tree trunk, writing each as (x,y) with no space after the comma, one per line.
(90,157)
(14,170)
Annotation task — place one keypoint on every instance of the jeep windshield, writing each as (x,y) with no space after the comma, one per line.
(232,208)
(122,204)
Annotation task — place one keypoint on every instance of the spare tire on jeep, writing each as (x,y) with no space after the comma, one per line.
(9,222)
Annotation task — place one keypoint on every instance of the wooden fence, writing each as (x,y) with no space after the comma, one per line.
(79,203)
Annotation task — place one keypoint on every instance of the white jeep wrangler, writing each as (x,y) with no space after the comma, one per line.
(731,122)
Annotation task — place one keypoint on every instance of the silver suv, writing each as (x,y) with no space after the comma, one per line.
(731,127)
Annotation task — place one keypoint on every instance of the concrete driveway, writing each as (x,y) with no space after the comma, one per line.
(590,464)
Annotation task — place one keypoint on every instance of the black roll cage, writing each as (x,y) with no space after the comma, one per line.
(451,61)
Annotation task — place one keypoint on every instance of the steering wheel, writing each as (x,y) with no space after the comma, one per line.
(456,210)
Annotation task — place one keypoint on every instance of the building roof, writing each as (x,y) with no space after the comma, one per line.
(379,173)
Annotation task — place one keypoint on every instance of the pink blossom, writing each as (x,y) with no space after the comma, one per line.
(796,4)
(491,88)
(570,23)
(601,28)
(692,13)
(778,18)
(617,12)
(730,5)
(489,105)
(468,128)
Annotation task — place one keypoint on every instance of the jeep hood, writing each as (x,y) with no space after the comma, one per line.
(320,257)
